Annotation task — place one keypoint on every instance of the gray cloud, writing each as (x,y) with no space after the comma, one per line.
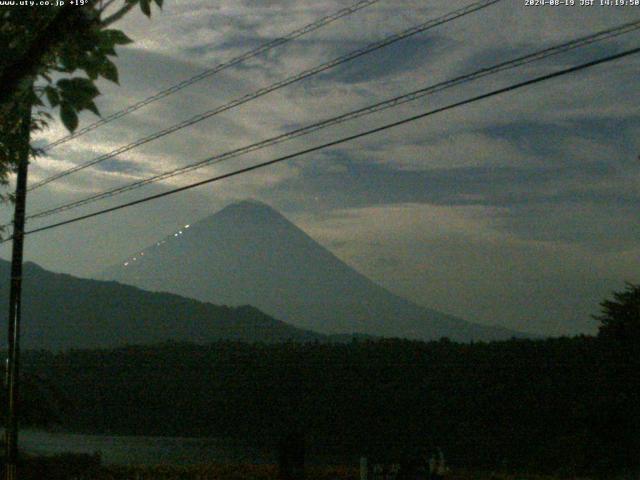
(544,176)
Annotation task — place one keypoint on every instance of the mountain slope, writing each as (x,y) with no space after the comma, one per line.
(250,254)
(60,311)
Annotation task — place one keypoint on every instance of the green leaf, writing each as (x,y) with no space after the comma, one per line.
(91,64)
(159,3)
(115,37)
(145,7)
(92,108)
(78,91)
(52,96)
(107,49)
(109,71)
(76,94)
(68,116)
(36,102)
(69,58)
(92,70)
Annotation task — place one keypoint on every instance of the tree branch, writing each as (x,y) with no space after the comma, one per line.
(106,5)
(119,14)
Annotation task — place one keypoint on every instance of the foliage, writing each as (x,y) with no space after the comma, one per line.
(566,406)
(88,467)
(620,317)
(519,404)
(616,419)
(79,466)
(43,51)
(227,472)
(66,466)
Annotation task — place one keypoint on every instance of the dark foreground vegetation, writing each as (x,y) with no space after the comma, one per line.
(568,406)
(84,467)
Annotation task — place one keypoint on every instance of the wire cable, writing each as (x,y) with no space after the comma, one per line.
(276,86)
(386,104)
(342,140)
(218,68)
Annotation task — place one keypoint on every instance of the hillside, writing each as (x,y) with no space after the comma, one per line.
(61,311)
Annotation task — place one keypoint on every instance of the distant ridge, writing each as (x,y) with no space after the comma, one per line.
(248,253)
(61,312)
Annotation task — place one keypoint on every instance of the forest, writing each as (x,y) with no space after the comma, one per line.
(567,406)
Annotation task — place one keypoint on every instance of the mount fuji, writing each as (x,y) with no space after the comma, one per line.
(248,253)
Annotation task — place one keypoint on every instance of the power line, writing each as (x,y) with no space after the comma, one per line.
(276,86)
(386,104)
(218,68)
(344,139)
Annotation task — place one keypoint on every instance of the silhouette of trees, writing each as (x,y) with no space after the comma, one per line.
(616,419)
(558,405)
(520,403)
(620,317)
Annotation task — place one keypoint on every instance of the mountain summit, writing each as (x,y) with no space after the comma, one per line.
(248,253)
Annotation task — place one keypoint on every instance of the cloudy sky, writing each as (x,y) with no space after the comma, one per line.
(519,210)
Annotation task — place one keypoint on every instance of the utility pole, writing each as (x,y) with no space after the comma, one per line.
(13,359)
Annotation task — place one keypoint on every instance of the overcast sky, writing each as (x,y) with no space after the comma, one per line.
(520,210)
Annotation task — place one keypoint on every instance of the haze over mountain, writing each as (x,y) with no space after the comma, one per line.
(248,253)
(60,312)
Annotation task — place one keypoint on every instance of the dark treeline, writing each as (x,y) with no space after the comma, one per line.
(568,404)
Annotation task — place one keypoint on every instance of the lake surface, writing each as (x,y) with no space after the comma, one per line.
(138,450)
